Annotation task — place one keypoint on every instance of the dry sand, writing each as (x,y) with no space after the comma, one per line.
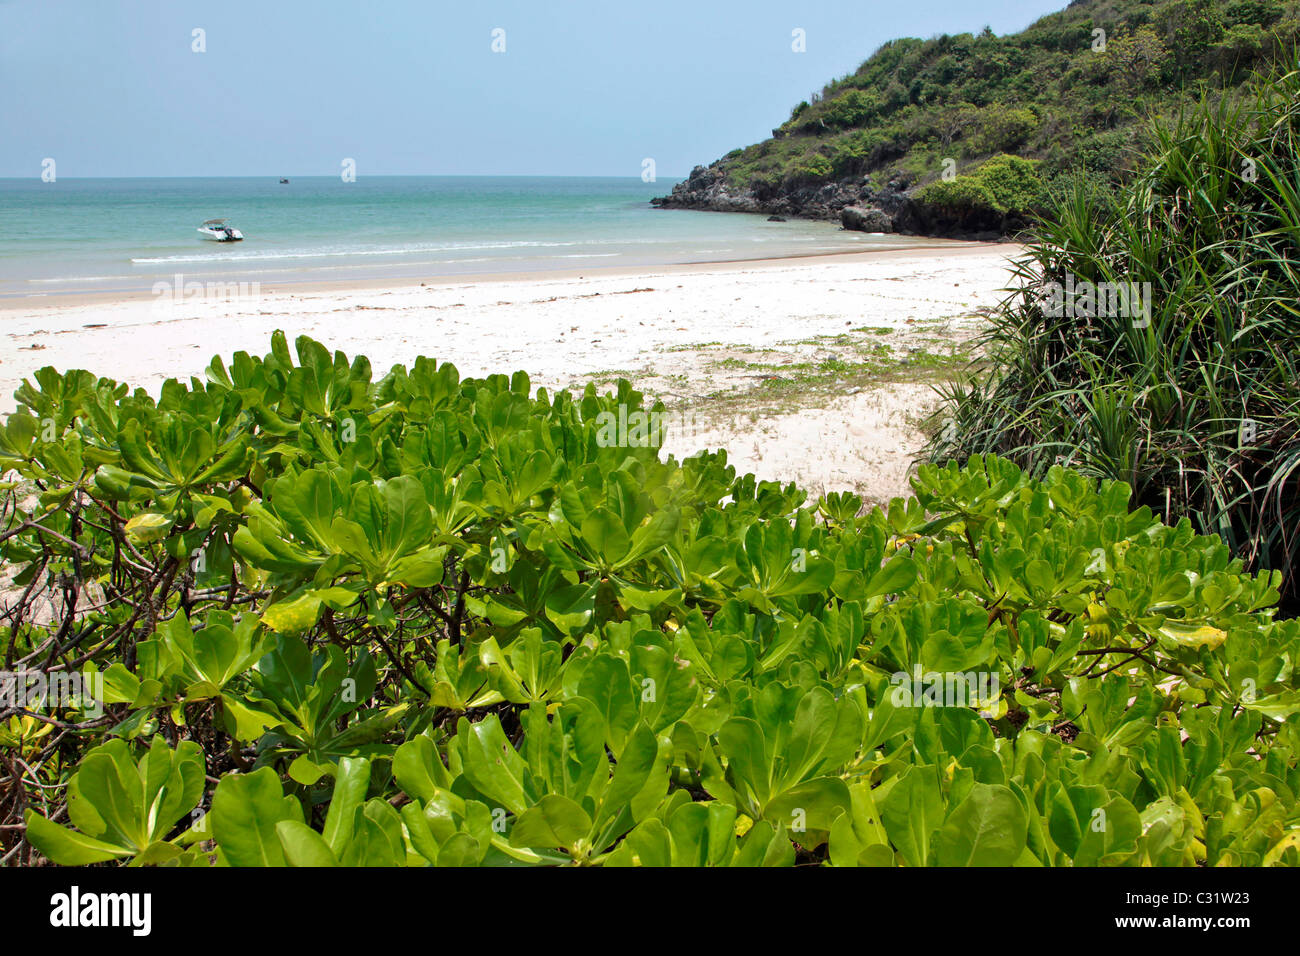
(764,356)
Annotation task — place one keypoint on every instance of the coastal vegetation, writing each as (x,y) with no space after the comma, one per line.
(1073,93)
(300,614)
(754,383)
(1193,400)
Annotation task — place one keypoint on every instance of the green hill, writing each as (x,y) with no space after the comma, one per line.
(912,131)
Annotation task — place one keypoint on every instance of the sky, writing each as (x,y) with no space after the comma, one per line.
(414,87)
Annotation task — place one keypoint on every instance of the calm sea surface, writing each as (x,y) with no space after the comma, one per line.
(88,235)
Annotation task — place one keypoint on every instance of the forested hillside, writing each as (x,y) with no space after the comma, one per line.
(1068,95)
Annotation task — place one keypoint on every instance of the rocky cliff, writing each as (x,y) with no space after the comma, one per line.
(854,203)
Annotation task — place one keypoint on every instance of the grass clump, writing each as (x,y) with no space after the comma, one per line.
(1185,384)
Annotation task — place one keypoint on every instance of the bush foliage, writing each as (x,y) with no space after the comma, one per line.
(1195,403)
(1004,185)
(432,620)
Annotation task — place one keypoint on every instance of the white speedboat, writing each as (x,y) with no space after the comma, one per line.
(218,230)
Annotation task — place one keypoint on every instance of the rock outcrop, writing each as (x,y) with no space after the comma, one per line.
(706,188)
(854,203)
(862,219)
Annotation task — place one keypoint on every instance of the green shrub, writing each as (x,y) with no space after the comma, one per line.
(812,168)
(960,194)
(1014,182)
(1256,12)
(425,620)
(852,108)
(1002,184)
(1196,405)
(1001,129)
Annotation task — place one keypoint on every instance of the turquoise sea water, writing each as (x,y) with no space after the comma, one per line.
(76,236)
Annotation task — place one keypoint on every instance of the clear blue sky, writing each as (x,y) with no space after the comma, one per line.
(584,87)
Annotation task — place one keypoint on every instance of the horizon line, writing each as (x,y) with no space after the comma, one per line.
(372,176)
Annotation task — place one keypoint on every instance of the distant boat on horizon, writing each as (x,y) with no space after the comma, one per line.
(217,229)
(283,181)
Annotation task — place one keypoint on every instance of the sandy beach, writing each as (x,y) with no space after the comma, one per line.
(817,370)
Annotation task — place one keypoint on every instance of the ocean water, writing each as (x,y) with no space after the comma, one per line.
(75,236)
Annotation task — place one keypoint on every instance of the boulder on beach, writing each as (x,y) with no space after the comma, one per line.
(862,219)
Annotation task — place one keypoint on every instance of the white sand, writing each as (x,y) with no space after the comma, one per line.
(565,329)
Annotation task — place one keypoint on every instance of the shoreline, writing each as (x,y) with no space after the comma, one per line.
(13,302)
(816,369)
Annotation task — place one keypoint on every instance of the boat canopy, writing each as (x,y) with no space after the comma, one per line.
(213,222)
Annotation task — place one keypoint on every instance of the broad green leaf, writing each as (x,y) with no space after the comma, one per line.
(303,846)
(246,809)
(556,821)
(988,828)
